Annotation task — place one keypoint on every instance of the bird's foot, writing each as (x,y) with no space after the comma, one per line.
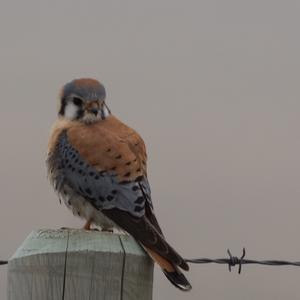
(87,226)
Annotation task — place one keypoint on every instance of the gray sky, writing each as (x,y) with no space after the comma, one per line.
(213,88)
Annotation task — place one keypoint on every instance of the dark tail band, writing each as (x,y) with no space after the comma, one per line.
(179,280)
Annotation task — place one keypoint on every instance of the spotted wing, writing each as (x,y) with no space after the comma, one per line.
(103,188)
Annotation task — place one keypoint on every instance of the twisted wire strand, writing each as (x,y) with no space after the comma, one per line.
(234,261)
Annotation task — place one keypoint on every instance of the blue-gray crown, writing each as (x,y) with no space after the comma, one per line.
(86,88)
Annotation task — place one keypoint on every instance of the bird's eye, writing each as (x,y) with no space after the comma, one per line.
(77,101)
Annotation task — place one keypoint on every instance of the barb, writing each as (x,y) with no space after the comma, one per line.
(233,261)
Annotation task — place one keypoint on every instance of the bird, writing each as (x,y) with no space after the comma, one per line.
(98,167)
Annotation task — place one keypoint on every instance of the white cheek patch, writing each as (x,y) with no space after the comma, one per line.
(71,111)
(105,112)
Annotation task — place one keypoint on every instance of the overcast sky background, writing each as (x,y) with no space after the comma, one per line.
(213,88)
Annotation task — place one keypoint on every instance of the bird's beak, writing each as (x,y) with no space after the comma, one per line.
(93,111)
(92,108)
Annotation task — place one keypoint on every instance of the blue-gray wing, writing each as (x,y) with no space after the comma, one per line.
(102,188)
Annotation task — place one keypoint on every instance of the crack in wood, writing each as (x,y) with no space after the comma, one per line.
(123,269)
(65,267)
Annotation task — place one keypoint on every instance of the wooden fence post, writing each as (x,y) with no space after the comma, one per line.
(79,265)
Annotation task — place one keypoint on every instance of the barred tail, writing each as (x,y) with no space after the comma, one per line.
(171,271)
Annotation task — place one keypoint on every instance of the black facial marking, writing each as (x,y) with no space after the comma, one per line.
(118,157)
(101,198)
(108,150)
(113,192)
(128,163)
(138,170)
(135,188)
(102,114)
(77,101)
(127,174)
(91,173)
(80,113)
(62,107)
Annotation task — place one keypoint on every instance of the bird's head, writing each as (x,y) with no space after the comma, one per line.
(83,100)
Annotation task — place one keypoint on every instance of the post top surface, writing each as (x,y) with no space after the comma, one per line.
(43,241)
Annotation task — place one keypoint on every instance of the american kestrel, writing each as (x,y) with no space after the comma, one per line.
(98,166)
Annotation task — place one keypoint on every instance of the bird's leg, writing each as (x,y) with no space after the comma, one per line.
(87,225)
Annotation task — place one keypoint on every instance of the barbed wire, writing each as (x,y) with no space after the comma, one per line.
(239,261)
(231,261)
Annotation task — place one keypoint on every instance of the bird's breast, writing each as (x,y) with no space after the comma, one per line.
(83,208)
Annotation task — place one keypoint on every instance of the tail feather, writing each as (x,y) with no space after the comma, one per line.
(178,280)
(171,271)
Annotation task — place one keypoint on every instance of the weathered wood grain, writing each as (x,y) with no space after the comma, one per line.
(134,271)
(77,264)
(36,270)
(94,266)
